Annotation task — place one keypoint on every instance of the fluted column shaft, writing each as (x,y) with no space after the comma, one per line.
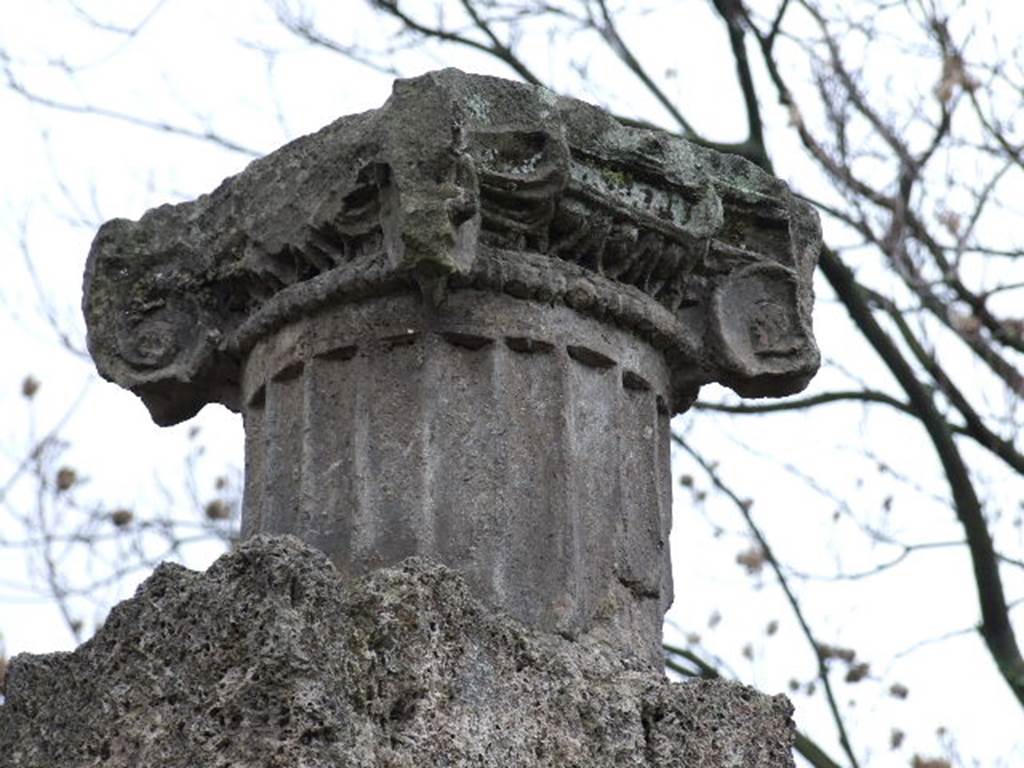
(520,443)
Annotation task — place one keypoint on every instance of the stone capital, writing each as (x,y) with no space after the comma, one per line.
(465,182)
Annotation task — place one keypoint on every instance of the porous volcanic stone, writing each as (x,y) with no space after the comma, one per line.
(268,659)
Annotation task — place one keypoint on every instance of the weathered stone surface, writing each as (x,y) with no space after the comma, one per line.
(523,444)
(457,327)
(269,659)
(458,182)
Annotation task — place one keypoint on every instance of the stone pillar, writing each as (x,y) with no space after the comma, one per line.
(457,327)
(520,442)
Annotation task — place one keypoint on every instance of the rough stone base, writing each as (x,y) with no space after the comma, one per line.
(268,659)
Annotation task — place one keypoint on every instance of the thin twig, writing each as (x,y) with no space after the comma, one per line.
(209,136)
(744,509)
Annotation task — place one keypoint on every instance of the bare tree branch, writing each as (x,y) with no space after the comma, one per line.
(610,33)
(744,510)
(805,746)
(732,13)
(494,48)
(207,135)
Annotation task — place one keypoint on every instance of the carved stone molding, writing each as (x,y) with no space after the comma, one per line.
(463,181)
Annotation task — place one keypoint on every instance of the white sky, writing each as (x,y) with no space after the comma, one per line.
(189,63)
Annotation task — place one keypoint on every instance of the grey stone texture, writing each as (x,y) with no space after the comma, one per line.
(272,659)
(464,181)
(457,327)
